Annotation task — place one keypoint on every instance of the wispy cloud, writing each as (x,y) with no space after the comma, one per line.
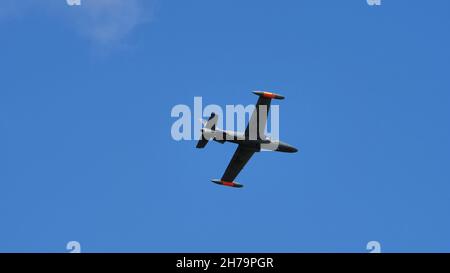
(104,22)
(109,21)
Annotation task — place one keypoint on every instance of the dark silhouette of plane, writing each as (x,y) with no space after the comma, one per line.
(251,141)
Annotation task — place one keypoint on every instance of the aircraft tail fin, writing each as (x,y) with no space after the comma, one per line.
(210,126)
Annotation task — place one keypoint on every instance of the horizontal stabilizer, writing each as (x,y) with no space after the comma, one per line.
(201,143)
(211,125)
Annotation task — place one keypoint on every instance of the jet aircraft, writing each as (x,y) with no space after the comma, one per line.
(251,141)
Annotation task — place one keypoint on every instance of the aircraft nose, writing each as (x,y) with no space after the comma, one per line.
(288,148)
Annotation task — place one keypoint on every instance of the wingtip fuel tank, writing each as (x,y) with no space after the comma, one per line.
(228,184)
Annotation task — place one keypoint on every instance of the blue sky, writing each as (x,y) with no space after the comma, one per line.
(86,152)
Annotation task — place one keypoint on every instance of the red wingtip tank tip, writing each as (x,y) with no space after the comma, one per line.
(268,95)
(228,184)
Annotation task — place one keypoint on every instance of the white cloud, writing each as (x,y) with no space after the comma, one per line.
(104,22)
(109,21)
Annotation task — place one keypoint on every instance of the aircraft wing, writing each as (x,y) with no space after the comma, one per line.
(237,163)
(257,124)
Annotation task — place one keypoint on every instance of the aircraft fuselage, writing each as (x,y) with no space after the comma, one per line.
(257,145)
